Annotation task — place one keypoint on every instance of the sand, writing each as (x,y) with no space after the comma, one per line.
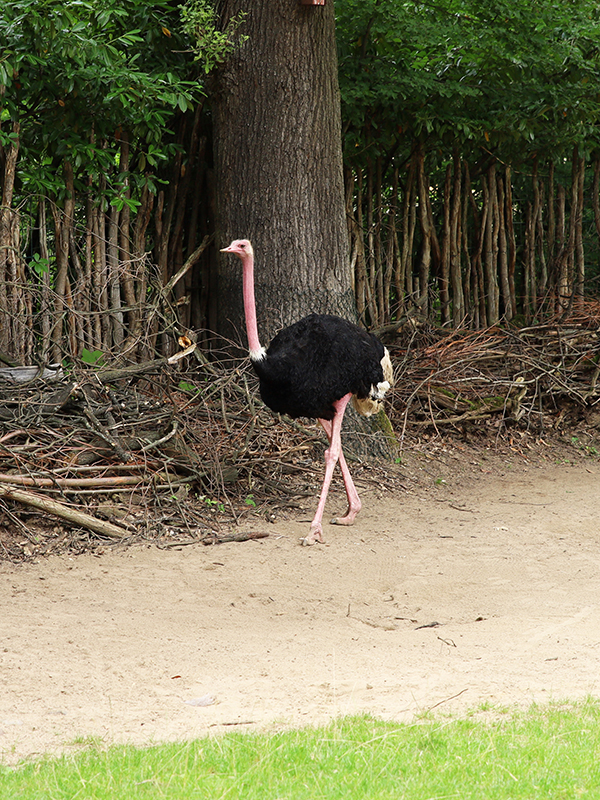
(474,587)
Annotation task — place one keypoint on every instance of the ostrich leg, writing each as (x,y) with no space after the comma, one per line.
(332,455)
(354,504)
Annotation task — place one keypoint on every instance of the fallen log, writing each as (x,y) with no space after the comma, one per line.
(64,512)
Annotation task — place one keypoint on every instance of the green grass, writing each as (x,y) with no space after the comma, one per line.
(550,752)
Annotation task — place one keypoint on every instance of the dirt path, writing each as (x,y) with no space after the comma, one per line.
(117,646)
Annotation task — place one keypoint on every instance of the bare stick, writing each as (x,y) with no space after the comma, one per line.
(99,430)
(64,512)
(109,375)
(77,483)
(447,699)
(164,439)
(237,537)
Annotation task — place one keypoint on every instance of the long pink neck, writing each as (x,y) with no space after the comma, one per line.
(254,345)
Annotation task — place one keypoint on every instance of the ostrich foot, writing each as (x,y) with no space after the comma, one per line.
(315,535)
(349,517)
(347,520)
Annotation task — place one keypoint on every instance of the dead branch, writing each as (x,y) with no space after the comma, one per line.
(513,373)
(245,536)
(72,515)
(190,261)
(113,482)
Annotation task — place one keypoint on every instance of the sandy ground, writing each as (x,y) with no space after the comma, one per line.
(482,589)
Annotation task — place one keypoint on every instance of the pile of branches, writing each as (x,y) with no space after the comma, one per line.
(147,452)
(514,375)
(176,455)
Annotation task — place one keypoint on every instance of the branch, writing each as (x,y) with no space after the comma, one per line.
(64,512)
(74,483)
(188,265)
(109,375)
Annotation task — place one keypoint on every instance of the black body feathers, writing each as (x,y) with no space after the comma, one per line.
(317,361)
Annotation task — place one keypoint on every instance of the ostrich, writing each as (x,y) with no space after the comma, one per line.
(312,369)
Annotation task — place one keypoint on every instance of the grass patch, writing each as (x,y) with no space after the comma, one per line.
(546,752)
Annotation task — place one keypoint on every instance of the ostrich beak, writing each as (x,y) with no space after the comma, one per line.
(226,249)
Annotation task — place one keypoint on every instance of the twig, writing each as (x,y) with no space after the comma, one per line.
(105,435)
(164,439)
(236,537)
(468,415)
(190,261)
(447,699)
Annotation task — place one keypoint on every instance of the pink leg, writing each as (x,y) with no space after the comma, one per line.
(332,455)
(354,504)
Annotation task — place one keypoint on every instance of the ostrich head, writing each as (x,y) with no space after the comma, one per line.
(241,248)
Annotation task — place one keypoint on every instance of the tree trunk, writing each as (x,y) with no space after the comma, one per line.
(478,282)
(562,278)
(503,252)
(469,282)
(278,163)
(551,215)
(512,245)
(360,270)
(378,249)
(409,220)
(532,228)
(391,249)
(529,267)
(595,192)
(491,246)
(579,250)
(458,303)
(539,232)
(63,223)
(8,252)
(45,319)
(426,233)
(444,281)
(114,282)
(371,264)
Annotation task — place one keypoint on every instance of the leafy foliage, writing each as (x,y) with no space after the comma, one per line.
(511,75)
(211,45)
(75,73)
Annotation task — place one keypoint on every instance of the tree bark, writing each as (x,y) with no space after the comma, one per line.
(532,228)
(551,235)
(360,269)
(8,253)
(404,278)
(444,281)
(278,164)
(371,264)
(503,252)
(510,232)
(63,223)
(562,277)
(114,282)
(478,283)
(579,250)
(529,267)
(491,246)
(391,249)
(458,302)
(426,233)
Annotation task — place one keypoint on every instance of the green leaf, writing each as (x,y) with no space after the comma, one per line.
(93,357)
